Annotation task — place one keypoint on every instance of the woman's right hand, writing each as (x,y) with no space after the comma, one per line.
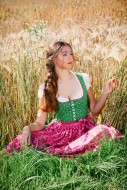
(25,139)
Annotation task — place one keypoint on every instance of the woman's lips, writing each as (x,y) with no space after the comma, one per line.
(69,63)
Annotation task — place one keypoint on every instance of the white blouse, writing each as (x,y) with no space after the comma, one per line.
(77,96)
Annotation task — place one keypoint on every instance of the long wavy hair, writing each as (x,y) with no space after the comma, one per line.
(49,99)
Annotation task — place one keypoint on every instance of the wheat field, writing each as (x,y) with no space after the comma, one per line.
(97,31)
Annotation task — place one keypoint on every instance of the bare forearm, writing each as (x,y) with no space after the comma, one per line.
(33,127)
(99,105)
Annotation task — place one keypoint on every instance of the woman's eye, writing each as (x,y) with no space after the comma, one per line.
(66,54)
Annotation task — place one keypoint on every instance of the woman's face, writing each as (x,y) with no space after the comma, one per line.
(64,59)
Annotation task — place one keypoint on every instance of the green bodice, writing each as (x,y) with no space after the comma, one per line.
(74,109)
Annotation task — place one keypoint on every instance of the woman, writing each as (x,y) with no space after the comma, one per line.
(68,94)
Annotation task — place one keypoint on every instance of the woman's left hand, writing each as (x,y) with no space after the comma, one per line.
(111,85)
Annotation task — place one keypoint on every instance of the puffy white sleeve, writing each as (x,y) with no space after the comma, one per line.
(87,80)
(41,91)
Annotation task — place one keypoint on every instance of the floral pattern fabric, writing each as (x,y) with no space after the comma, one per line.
(68,138)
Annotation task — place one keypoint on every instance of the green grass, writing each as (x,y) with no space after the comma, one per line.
(105,169)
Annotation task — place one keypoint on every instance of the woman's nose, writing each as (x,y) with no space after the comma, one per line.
(70,57)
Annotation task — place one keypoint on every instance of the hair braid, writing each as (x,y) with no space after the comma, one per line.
(49,100)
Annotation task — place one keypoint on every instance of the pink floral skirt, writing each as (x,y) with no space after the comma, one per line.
(68,138)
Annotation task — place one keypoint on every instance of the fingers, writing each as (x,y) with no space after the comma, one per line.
(25,141)
(109,82)
(113,83)
(25,138)
(28,140)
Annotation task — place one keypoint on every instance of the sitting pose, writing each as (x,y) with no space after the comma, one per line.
(70,96)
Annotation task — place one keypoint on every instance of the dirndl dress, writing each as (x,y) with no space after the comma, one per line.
(73,132)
